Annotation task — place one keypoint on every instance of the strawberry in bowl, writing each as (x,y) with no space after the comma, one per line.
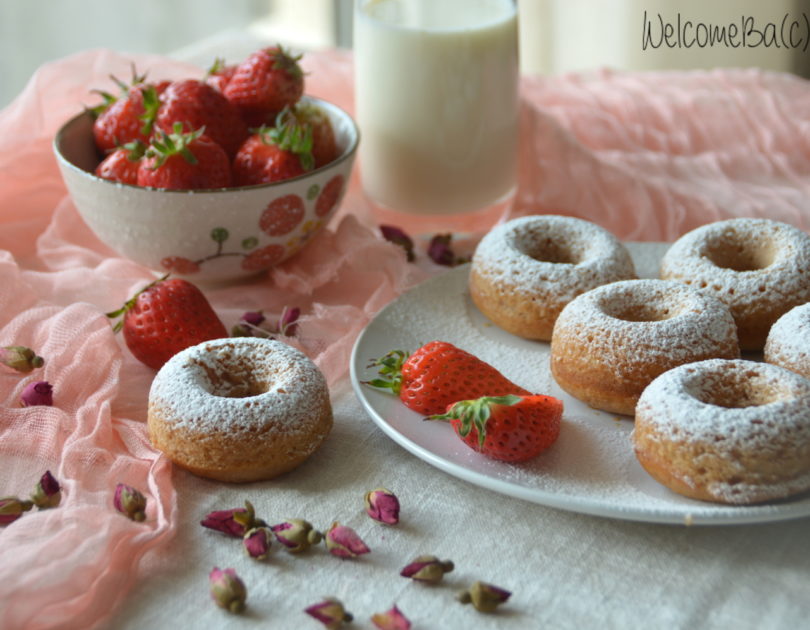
(162,189)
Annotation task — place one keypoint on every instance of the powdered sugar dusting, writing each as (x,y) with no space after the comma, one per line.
(788,342)
(548,253)
(239,384)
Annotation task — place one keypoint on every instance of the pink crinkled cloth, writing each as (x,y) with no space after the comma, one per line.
(648,156)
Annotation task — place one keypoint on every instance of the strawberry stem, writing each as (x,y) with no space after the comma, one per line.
(390,371)
(475,413)
(121,312)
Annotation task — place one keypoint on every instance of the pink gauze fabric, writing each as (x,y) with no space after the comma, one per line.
(648,156)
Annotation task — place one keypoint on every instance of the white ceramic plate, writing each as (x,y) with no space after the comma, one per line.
(590,469)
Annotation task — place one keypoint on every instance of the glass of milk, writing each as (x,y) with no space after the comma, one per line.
(437,104)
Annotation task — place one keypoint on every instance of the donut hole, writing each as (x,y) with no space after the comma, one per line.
(738,390)
(738,253)
(545,249)
(233,379)
(641,308)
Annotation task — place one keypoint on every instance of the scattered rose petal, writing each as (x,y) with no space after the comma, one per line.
(20,358)
(227,589)
(343,541)
(427,569)
(391,620)
(37,393)
(235,522)
(130,502)
(296,535)
(382,505)
(12,508)
(256,542)
(330,612)
(48,492)
(485,597)
(399,237)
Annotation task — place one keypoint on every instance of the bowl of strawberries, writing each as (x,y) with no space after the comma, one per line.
(212,179)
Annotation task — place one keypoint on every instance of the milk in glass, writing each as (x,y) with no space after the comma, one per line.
(437,102)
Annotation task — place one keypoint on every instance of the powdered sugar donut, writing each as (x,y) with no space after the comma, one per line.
(526,270)
(239,409)
(759,267)
(788,342)
(726,431)
(611,342)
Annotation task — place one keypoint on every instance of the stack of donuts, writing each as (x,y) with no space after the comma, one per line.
(708,424)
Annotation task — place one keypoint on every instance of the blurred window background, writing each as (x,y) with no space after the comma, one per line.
(556,35)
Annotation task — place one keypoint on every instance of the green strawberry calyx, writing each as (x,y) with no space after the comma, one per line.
(176,143)
(129,304)
(289,134)
(286,61)
(390,372)
(475,413)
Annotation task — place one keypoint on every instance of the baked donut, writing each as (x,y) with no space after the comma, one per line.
(526,270)
(239,409)
(759,267)
(726,431)
(788,342)
(611,342)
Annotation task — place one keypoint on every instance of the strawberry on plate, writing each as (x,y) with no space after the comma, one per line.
(123,163)
(184,161)
(274,154)
(119,120)
(439,374)
(167,316)
(506,428)
(266,82)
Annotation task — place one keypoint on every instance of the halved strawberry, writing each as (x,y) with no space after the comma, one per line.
(506,428)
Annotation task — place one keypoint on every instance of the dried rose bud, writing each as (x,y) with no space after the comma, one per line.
(397,236)
(256,542)
(330,612)
(343,541)
(12,508)
(485,597)
(235,522)
(382,505)
(391,620)
(254,318)
(130,502)
(227,589)
(37,393)
(287,323)
(20,358)
(48,493)
(427,569)
(296,535)
(250,325)
(440,252)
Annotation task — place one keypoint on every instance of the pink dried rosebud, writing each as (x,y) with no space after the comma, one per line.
(227,589)
(130,502)
(250,325)
(382,505)
(427,569)
(37,393)
(254,318)
(391,620)
(343,541)
(48,493)
(287,323)
(12,508)
(485,597)
(256,542)
(330,612)
(440,252)
(235,522)
(20,358)
(296,535)
(397,236)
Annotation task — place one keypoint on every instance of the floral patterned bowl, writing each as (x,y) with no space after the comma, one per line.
(205,235)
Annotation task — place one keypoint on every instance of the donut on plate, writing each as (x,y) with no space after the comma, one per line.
(788,342)
(759,267)
(611,342)
(733,432)
(526,270)
(239,409)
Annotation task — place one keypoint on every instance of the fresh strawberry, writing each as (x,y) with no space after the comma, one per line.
(184,161)
(265,83)
(122,164)
(439,374)
(166,317)
(197,104)
(120,120)
(274,154)
(324,145)
(507,428)
(219,74)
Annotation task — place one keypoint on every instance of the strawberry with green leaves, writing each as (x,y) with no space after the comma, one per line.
(123,119)
(324,144)
(273,154)
(123,163)
(506,428)
(167,316)
(184,161)
(439,374)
